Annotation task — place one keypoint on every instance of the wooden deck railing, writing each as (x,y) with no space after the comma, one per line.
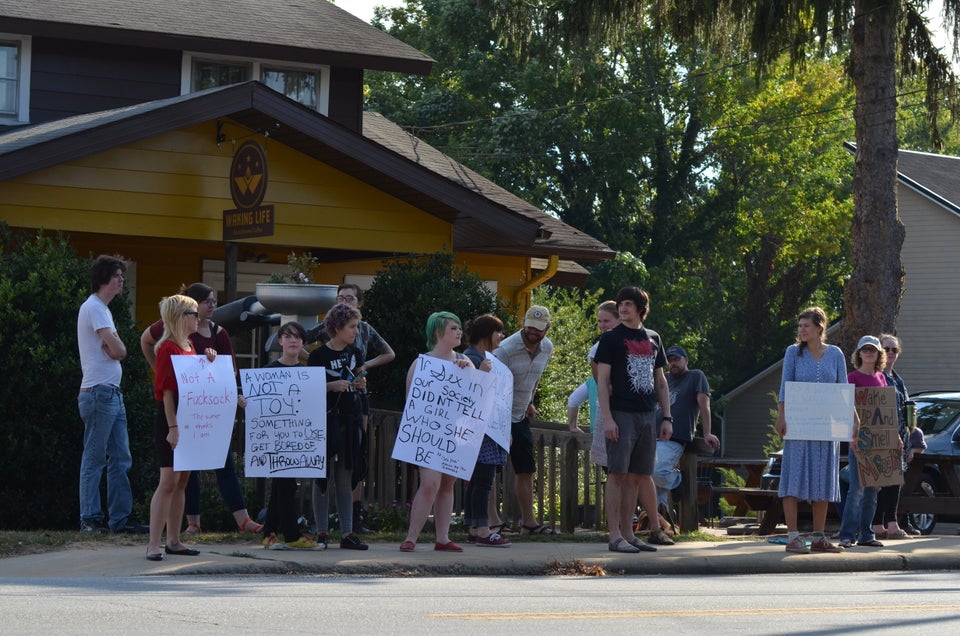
(568,488)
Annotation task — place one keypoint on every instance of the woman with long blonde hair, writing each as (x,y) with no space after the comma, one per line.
(180,319)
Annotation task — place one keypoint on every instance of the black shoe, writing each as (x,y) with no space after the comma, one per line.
(93,526)
(132,527)
(352,542)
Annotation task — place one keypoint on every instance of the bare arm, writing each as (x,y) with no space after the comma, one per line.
(706,420)
(170,411)
(112,344)
(382,359)
(147,344)
(610,429)
(663,397)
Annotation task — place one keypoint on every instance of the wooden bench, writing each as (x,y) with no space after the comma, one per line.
(941,503)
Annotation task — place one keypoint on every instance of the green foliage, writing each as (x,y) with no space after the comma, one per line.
(401,299)
(573,330)
(393,518)
(42,285)
(300,269)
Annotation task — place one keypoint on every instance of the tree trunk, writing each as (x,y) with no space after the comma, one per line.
(873,293)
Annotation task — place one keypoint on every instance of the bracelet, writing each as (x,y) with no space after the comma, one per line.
(667,418)
(174,426)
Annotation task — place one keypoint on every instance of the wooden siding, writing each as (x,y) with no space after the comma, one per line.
(176,185)
(72,78)
(930,308)
(747,418)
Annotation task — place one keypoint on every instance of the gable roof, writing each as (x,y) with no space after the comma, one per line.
(485,217)
(936,177)
(309,31)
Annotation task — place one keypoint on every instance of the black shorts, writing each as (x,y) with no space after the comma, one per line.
(521,448)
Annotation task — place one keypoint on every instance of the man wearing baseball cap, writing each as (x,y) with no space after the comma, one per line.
(526,354)
(689,401)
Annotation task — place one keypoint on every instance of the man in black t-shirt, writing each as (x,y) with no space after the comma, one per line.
(630,383)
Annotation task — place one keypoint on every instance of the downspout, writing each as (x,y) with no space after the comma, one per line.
(520,299)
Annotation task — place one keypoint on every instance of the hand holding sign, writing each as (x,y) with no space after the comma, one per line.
(445,417)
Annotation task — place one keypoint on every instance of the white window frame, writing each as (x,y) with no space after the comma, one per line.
(23,79)
(323,99)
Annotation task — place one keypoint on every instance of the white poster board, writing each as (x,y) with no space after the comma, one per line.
(498,427)
(445,417)
(206,409)
(286,421)
(816,411)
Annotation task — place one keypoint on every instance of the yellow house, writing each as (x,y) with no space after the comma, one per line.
(120,125)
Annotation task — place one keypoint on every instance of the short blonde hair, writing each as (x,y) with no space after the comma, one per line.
(173,312)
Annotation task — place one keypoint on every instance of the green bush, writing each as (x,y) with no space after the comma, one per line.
(573,330)
(403,295)
(43,282)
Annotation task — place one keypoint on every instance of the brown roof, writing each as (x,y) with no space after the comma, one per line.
(314,31)
(485,217)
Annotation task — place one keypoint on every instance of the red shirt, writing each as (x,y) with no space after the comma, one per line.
(165,378)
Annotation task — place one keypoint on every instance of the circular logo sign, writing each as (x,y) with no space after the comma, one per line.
(248,176)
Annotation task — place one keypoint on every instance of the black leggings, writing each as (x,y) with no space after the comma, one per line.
(477,495)
(888,499)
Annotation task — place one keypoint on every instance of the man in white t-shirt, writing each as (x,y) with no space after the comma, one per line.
(105,441)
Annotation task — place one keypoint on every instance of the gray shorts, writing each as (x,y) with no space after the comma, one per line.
(636,450)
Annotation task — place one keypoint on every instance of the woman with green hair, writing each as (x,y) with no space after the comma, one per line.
(444,334)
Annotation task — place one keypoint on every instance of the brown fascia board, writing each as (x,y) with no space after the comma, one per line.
(37,28)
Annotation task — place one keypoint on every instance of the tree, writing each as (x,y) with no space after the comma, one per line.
(883,36)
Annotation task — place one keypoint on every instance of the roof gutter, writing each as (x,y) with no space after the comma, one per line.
(520,296)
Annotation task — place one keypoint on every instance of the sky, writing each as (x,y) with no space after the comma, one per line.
(363,9)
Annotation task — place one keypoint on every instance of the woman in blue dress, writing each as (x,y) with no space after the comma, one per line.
(810,469)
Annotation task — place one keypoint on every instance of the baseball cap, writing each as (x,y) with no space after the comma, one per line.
(537,317)
(869,341)
(678,351)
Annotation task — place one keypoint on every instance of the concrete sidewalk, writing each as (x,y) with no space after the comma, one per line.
(746,556)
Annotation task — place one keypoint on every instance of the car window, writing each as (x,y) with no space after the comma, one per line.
(935,416)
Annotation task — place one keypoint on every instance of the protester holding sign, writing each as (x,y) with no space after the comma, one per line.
(484,334)
(208,335)
(444,334)
(885,524)
(855,526)
(180,318)
(282,510)
(342,360)
(810,469)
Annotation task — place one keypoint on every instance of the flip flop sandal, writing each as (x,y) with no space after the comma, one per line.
(541,530)
(623,546)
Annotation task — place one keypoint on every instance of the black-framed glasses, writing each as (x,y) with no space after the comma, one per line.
(346,299)
(191,313)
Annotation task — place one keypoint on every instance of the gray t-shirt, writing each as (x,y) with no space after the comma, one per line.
(684,406)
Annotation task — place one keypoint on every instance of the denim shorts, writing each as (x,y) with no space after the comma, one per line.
(636,450)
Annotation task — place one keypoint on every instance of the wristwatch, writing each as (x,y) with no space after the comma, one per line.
(668,418)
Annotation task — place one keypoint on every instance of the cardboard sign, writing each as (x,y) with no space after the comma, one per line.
(498,427)
(286,421)
(816,411)
(878,442)
(206,409)
(445,417)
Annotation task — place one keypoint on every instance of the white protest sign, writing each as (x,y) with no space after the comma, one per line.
(816,411)
(286,417)
(498,427)
(206,408)
(445,417)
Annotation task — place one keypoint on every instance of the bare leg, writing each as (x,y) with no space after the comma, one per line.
(819,515)
(525,499)
(647,495)
(790,513)
(160,509)
(423,502)
(616,484)
(443,509)
(177,502)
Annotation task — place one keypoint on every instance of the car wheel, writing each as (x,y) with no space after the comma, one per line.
(924,522)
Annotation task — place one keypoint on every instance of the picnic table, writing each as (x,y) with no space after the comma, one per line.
(913,500)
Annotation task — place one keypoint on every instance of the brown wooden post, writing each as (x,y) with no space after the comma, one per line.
(569,488)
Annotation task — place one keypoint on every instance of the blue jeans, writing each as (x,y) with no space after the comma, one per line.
(857,520)
(666,476)
(105,445)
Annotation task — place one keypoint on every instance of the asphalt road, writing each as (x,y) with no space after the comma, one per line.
(918,603)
